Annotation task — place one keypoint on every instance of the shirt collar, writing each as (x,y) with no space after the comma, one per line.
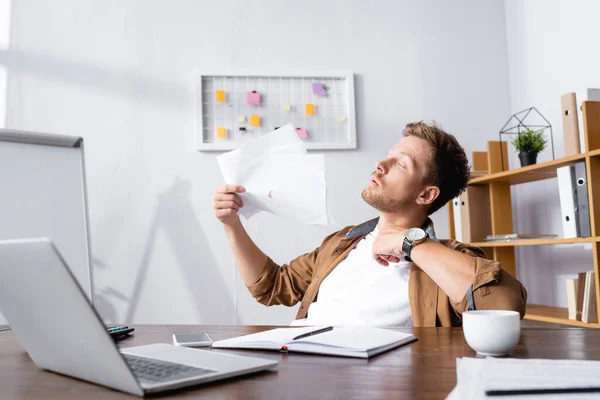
(369,226)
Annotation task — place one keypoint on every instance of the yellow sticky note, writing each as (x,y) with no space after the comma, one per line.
(254,120)
(342,118)
(221,96)
(309,108)
(221,133)
(287,107)
(241,118)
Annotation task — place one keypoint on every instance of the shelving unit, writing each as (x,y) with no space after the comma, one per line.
(500,182)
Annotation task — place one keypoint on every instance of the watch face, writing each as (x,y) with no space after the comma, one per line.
(415,234)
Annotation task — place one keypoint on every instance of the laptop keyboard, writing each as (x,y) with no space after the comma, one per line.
(148,370)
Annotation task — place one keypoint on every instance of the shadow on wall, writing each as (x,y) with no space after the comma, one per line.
(175,216)
(125,82)
(104,298)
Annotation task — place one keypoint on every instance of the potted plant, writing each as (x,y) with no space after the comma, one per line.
(529,143)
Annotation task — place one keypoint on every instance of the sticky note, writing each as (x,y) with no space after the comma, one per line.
(241,118)
(287,107)
(221,133)
(221,96)
(309,108)
(253,98)
(342,118)
(254,120)
(319,89)
(301,132)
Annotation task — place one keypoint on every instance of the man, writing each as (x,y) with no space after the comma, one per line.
(390,271)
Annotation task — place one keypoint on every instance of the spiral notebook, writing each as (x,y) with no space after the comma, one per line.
(350,341)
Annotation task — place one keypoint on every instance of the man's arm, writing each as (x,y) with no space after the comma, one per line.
(249,258)
(455,270)
(268,282)
(451,270)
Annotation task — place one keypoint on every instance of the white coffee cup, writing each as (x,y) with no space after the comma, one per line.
(492,332)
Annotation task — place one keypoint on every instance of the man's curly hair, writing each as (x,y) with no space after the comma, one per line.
(448,167)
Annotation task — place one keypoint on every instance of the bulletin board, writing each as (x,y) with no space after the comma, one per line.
(231,110)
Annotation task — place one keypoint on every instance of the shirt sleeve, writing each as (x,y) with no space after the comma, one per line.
(493,288)
(286,284)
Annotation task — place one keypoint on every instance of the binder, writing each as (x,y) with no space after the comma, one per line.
(568,202)
(456,209)
(475,213)
(570,124)
(584,95)
(589,311)
(580,294)
(583,205)
(572,297)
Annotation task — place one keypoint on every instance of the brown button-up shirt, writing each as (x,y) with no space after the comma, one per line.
(299,281)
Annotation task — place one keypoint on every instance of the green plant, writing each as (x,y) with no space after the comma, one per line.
(530,141)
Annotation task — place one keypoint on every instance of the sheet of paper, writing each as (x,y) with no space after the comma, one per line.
(309,108)
(279,177)
(241,118)
(220,96)
(287,107)
(319,89)
(254,120)
(476,375)
(253,98)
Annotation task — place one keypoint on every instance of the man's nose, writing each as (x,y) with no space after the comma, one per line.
(381,167)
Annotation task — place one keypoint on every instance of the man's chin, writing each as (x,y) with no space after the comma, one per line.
(369,198)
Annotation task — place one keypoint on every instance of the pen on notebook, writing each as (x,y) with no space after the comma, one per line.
(329,328)
(524,392)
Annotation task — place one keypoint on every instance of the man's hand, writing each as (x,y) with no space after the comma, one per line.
(387,247)
(227,203)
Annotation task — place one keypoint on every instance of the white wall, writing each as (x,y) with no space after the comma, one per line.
(4,44)
(119,73)
(552,50)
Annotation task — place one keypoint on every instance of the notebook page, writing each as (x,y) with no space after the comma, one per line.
(359,338)
(275,337)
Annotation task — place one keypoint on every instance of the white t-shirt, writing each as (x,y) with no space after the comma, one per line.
(359,291)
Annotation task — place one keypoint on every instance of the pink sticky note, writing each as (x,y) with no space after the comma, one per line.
(319,89)
(301,133)
(253,98)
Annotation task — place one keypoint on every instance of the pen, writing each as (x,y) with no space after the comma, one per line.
(522,392)
(329,328)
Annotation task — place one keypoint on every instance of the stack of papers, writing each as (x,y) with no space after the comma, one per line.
(507,378)
(279,177)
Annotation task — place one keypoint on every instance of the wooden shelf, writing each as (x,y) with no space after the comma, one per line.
(536,242)
(532,173)
(555,315)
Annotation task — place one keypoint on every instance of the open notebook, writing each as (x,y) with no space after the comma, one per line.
(351,341)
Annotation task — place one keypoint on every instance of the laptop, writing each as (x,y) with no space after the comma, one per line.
(54,320)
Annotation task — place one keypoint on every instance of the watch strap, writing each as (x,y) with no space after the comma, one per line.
(406,248)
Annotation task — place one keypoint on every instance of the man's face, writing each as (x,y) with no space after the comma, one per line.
(401,177)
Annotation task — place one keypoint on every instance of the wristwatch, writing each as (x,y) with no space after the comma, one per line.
(412,237)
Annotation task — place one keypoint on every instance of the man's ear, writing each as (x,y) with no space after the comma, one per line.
(428,195)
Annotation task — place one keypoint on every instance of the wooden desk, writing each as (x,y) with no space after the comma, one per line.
(422,370)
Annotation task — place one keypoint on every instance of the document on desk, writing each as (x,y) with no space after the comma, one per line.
(279,177)
(515,379)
